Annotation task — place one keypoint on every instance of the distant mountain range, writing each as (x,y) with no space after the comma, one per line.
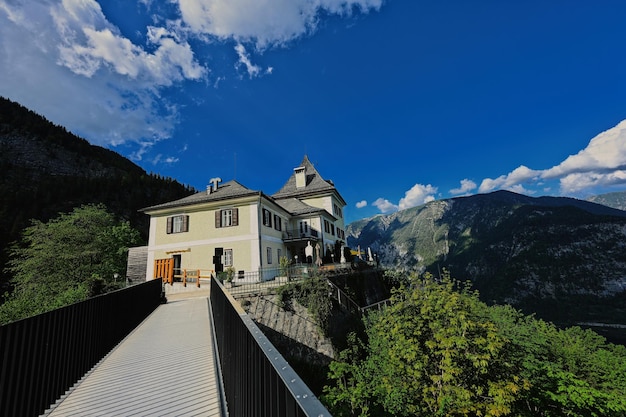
(47,170)
(562,258)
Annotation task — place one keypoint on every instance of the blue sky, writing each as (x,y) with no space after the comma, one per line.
(399,102)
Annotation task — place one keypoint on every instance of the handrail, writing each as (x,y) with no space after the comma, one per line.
(41,357)
(257,380)
(353,305)
(378,305)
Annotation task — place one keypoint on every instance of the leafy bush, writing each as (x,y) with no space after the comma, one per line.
(313,294)
(439,351)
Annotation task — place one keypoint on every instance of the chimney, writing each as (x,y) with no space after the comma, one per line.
(213,185)
(300,173)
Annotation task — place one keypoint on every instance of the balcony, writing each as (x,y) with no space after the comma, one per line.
(297,235)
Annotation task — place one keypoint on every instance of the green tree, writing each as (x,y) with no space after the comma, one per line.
(573,372)
(68,259)
(433,352)
(439,351)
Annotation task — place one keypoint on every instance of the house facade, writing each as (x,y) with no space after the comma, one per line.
(232,226)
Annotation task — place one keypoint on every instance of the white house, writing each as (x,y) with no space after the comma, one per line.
(230,225)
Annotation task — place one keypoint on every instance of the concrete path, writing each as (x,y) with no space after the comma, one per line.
(166,367)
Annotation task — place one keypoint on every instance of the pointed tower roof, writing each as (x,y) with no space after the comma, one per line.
(305,181)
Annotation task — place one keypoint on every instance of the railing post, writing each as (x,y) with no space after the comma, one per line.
(184,278)
(198,279)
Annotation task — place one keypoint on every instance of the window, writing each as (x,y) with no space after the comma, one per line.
(304,227)
(332,229)
(227,217)
(278,222)
(267,218)
(228,257)
(269,255)
(326,226)
(279,254)
(337,210)
(177,224)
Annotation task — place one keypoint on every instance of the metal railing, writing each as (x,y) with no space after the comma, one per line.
(344,299)
(297,234)
(41,357)
(256,378)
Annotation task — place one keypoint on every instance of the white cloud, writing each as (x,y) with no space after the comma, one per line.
(264,22)
(466,186)
(605,152)
(361,204)
(578,182)
(66,61)
(385,206)
(601,164)
(510,181)
(164,160)
(417,195)
(244,59)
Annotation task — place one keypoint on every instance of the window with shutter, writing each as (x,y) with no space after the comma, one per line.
(278,223)
(177,224)
(267,218)
(227,217)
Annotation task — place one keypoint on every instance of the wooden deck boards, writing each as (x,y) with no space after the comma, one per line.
(166,367)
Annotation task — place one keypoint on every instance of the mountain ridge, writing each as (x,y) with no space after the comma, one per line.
(520,250)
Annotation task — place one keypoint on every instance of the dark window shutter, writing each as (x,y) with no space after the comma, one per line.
(169,225)
(235,217)
(277,222)
(218,218)
(185,223)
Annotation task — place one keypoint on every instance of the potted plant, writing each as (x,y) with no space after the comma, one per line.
(230,274)
(284,267)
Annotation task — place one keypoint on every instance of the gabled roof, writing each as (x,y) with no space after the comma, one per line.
(314,183)
(226,191)
(297,208)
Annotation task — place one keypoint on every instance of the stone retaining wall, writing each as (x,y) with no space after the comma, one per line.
(294,331)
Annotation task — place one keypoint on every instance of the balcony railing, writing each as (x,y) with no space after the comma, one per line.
(291,235)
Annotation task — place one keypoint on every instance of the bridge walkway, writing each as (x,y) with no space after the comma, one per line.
(166,366)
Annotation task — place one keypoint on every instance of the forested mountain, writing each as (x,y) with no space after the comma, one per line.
(47,170)
(562,258)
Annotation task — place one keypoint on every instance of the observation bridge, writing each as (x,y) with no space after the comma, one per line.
(127,354)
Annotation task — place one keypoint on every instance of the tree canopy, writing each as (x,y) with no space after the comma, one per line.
(437,350)
(68,259)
